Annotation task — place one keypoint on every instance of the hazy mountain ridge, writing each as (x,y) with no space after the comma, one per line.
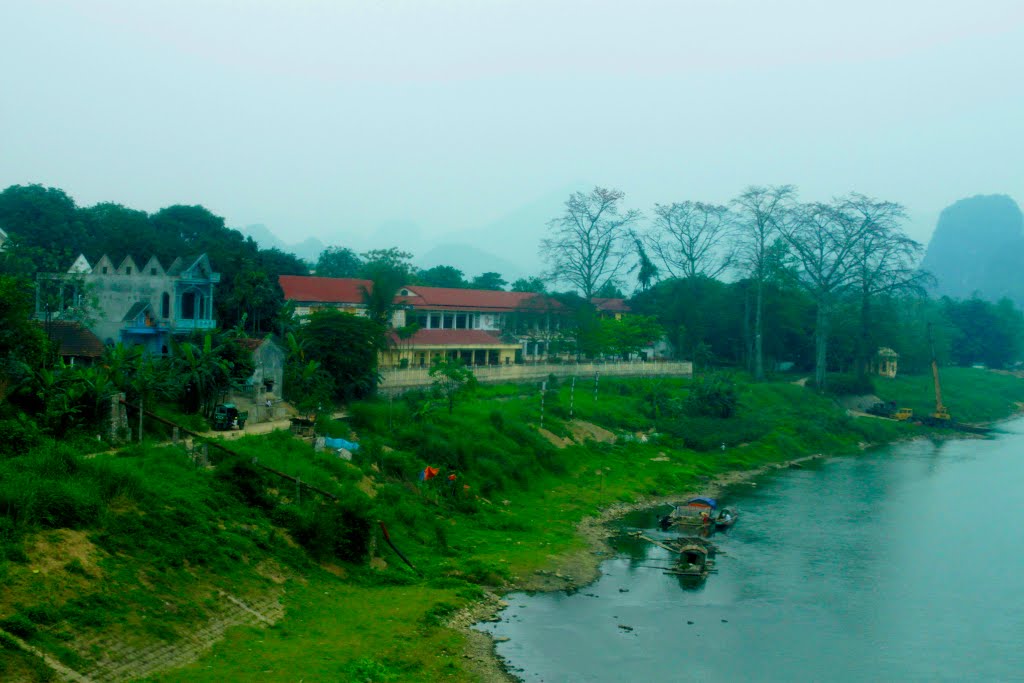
(308,249)
(978,247)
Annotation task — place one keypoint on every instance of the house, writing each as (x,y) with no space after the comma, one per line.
(480,326)
(610,308)
(130,304)
(76,345)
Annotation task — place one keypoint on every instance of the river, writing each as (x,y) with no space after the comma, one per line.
(901,563)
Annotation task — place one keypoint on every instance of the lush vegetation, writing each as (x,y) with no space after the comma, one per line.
(162,536)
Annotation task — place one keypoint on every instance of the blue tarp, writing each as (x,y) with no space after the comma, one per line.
(341,443)
(703,502)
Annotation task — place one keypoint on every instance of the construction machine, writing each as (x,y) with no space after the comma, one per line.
(941,415)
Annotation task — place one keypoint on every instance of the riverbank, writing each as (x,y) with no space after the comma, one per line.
(580,568)
(527,511)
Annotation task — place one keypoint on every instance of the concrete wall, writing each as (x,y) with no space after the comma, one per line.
(393,380)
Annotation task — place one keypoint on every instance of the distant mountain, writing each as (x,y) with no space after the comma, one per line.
(309,249)
(978,247)
(473,261)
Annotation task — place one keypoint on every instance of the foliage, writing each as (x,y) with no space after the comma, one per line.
(452,379)
(536,285)
(489,280)
(442,276)
(712,396)
(338,262)
(346,347)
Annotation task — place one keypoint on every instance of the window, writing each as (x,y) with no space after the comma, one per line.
(128,270)
(165,305)
(152,271)
(460,321)
(104,270)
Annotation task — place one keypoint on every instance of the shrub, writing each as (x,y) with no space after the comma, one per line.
(712,396)
(19,625)
(18,436)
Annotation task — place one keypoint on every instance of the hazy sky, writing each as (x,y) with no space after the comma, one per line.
(329,119)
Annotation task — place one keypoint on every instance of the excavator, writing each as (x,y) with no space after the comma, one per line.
(941,417)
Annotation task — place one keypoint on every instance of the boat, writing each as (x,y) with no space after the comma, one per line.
(726,518)
(696,557)
(696,511)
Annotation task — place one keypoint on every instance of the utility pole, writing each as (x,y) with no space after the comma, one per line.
(572,396)
(597,378)
(543,389)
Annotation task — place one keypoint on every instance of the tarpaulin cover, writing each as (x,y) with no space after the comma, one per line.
(341,443)
(702,503)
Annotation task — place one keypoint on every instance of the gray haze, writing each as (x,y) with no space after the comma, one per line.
(421,123)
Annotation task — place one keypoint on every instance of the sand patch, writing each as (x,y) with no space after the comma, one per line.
(583,431)
(52,551)
(556,441)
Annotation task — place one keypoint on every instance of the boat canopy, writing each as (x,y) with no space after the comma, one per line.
(702,503)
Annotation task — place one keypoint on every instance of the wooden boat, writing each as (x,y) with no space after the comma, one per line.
(695,556)
(696,511)
(726,518)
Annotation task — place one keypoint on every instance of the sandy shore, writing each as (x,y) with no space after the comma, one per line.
(577,569)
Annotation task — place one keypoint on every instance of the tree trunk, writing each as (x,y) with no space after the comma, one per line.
(820,344)
(864,352)
(758,355)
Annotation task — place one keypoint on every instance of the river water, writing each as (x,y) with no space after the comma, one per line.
(902,563)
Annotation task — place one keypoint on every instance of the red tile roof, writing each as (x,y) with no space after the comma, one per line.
(340,290)
(74,339)
(451,338)
(611,305)
(446,298)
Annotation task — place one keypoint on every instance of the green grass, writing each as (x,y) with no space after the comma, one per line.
(969,394)
(166,533)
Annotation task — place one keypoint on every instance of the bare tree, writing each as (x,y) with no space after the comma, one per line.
(758,213)
(587,247)
(823,239)
(885,261)
(691,238)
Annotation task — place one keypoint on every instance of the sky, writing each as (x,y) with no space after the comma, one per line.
(418,123)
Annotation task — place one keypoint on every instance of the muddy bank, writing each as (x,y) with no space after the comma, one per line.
(577,569)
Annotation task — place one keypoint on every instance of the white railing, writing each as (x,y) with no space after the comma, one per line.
(394,379)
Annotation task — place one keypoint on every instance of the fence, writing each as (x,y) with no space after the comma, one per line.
(398,379)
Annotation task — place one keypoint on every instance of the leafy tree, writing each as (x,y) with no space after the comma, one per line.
(254,299)
(586,249)
(443,276)
(630,334)
(203,373)
(346,346)
(338,262)
(120,231)
(489,280)
(609,290)
(647,272)
(276,262)
(530,284)
(392,260)
(452,379)
(46,223)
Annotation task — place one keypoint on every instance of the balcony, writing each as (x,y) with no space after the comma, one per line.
(196,324)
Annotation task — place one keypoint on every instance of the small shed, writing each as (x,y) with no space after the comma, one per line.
(267,381)
(76,345)
(886,361)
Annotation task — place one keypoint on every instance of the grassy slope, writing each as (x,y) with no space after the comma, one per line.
(370,625)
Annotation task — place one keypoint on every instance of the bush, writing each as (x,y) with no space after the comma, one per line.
(18,436)
(19,625)
(712,396)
